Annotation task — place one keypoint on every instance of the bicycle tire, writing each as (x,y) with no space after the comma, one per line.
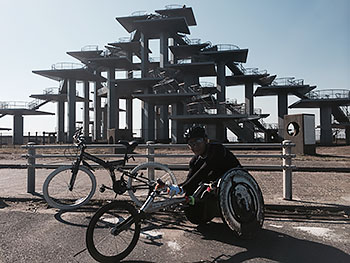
(241,203)
(103,225)
(57,194)
(139,190)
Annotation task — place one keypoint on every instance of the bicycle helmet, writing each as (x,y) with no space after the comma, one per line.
(195,132)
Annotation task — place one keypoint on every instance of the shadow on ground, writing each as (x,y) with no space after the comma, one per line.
(272,245)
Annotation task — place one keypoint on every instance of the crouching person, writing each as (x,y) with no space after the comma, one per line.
(209,163)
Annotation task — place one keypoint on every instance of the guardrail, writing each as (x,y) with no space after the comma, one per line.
(286,156)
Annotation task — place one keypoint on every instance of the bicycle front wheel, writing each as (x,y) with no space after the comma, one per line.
(56,188)
(113,232)
(145,175)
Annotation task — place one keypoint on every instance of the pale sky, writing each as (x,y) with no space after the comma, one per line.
(307,40)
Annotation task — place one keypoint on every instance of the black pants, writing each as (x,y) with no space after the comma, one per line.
(204,210)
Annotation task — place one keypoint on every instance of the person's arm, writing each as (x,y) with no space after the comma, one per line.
(191,183)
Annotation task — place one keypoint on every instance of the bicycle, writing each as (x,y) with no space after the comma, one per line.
(115,228)
(72,186)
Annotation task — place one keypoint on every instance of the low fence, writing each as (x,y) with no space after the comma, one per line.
(286,166)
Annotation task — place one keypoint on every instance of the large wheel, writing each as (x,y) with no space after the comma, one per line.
(56,188)
(148,173)
(113,232)
(241,203)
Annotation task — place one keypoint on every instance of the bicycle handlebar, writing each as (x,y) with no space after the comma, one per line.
(78,139)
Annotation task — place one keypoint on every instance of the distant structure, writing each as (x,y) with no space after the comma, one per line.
(170,87)
(332,103)
(282,87)
(18,110)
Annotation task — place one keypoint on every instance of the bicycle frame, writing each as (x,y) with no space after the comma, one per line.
(110,166)
(150,207)
(84,155)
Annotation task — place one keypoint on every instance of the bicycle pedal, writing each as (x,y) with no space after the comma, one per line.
(102,188)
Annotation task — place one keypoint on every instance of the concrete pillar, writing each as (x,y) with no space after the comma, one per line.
(347,135)
(282,109)
(104,122)
(249,109)
(172,58)
(162,124)
(177,128)
(86,113)
(17,137)
(60,121)
(221,98)
(112,101)
(163,49)
(221,85)
(97,112)
(326,127)
(221,134)
(144,55)
(71,96)
(128,102)
(129,119)
(129,73)
(249,99)
(148,119)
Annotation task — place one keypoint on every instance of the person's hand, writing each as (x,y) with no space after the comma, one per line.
(174,189)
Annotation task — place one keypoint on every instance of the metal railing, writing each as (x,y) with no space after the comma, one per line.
(17,104)
(33,104)
(207,84)
(184,61)
(124,39)
(89,48)
(173,6)
(329,94)
(191,41)
(67,65)
(51,90)
(225,47)
(288,81)
(253,71)
(139,13)
(286,167)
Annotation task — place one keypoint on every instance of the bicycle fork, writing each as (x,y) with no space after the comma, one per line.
(74,169)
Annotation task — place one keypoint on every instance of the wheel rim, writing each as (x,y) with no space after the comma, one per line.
(242,202)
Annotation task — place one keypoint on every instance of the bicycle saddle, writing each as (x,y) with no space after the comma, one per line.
(129,145)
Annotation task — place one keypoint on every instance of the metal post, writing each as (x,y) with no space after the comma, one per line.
(31,168)
(287,169)
(150,158)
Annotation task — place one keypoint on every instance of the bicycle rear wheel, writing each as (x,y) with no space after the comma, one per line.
(113,232)
(146,174)
(56,188)
(241,203)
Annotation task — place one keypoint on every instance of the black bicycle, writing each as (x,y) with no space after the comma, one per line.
(71,186)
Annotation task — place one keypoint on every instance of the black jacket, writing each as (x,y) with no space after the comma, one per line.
(218,160)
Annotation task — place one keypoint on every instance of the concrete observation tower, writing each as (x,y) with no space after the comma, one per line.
(172,88)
